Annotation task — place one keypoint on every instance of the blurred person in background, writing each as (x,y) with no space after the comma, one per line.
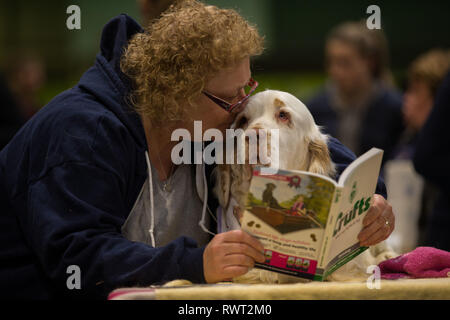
(24,77)
(431,160)
(413,197)
(358,105)
(425,76)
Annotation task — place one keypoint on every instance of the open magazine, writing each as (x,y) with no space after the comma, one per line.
(309,223)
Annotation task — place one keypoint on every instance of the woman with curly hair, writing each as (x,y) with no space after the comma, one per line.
(89,181)
(91,198)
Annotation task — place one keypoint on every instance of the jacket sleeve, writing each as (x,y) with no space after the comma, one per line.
(75,214)
(74,225)
(342,157)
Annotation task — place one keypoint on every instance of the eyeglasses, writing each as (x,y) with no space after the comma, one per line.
(249,89)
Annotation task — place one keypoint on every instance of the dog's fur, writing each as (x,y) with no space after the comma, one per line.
(302,146)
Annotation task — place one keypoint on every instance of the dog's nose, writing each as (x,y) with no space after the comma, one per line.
(257,139)
(253,131)
(259,136)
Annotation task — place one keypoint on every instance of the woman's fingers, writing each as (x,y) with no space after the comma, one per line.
(233,271)
(375,210)
(240,236)
(376,232)
(378,223)
(370,230)
(244,249)
(231,254)
(380,235)
(239,260)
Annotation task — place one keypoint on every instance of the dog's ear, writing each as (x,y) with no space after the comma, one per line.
(222,186)
(319,157)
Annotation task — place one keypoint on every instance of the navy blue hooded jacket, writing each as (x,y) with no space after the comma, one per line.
(68,181)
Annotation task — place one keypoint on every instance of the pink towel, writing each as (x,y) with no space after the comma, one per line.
(422,262)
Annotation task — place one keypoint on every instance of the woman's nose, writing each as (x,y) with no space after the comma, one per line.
(239,108)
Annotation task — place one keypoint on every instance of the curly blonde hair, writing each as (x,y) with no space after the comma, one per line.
(172,61)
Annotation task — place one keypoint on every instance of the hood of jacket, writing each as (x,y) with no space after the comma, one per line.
(114,92)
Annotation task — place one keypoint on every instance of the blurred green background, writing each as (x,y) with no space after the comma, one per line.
(294,31)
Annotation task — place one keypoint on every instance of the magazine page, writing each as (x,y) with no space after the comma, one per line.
(288,213)
(358,183)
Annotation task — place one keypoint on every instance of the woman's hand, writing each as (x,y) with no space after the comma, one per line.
(378,223)
(231,254)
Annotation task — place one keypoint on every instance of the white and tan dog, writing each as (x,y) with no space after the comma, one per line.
(302,146)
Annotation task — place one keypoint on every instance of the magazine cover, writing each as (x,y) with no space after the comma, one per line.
(308,223)
(288,213)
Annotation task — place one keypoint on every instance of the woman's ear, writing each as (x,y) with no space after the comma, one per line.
(319,157)
(221,189)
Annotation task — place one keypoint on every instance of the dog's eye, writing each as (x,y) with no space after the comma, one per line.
(283,116)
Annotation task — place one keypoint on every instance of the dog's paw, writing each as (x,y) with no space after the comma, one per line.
(385,256)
